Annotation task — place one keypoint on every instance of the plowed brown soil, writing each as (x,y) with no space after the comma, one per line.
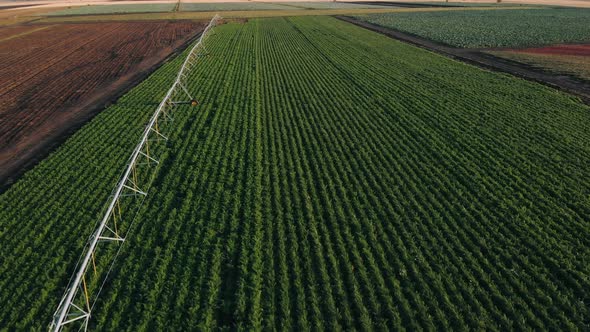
(54,79)
(14,31)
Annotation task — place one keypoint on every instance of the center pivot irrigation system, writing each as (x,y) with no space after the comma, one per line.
(76,305)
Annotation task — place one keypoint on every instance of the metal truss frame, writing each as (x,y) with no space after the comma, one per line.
(77,309)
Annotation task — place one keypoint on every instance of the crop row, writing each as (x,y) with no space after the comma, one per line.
(331,179)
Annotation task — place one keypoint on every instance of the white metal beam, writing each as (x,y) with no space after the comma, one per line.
(62,315)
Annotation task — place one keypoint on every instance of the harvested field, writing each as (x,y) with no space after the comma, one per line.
(54,79)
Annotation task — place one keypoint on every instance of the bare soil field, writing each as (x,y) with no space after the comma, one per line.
(14,31)
(54,79)
(578,50)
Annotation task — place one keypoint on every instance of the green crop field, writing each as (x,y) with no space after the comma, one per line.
(154,8)
(485,28)
(331,5)
(206,7)
(113,9)
(332,178)
(228,6)
(477,4)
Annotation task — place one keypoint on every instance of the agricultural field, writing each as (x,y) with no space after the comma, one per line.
(113,9)
(477,4)
(332,5)
(169,7)
(571,60)
(232,14)
(17,31)
(230,6)
(332,178)
(54,77)
(502,27)
(9,17)
(442,4)
(468,4)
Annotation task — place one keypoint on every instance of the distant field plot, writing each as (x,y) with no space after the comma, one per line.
(439,4)
(577,50)
(331,179)
(473,4)
(54,75)
(332,5)
(568,59)
(493,28)
(22,15)
(114,9)
(207,15)
(229,6)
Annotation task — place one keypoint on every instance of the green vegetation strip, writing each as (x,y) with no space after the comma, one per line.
(229,6)
(202,15)
(331,5)
(332,178)
(113,9)
(486,28)
(150,8)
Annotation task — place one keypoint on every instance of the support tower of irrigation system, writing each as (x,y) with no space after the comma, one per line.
(78,300)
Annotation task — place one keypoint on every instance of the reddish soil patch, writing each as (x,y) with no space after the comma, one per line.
(581,50)
(53,80)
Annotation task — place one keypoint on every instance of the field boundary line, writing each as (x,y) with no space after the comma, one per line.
(26,33)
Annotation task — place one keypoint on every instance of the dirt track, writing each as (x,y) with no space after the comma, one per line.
(475,56)
(74,72)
